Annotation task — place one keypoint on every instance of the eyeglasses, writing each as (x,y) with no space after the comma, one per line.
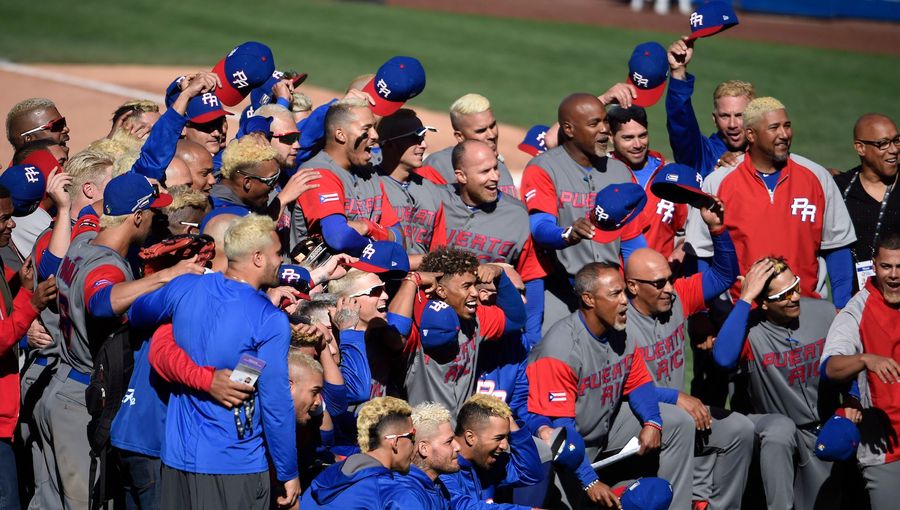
(268,181)
(54,126)
(657,284)
(288,138)
(787,293)
(373,291)
(411,435)
(882,144)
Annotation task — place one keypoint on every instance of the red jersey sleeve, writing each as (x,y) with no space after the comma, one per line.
(100,278)
(87,223)
(431,173)
(690,292)
(388,214)
(552,388)
(174,365)
(323,201)
(491,321)
(639,374)
(37,253)
(538,191)
(14,326)
(530,266)
(747,351)
(439,236)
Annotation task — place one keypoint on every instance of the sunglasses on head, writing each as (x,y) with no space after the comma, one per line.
(54,126)
(787,293)
(287,138)
(411,435)
(659,284)
(268,181)
(373,291)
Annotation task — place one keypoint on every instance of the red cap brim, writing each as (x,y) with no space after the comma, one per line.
(709,31)
(365,266)
(163,200)
(209,116)
(382,107)
(529,149)
(648,97)
(229,95)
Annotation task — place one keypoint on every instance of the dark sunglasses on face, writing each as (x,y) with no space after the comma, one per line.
(288,138)
(268,181)
(208,127)
(657,284)
(882,144)
(54,126)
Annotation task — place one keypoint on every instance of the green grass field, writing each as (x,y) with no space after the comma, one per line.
(524,67)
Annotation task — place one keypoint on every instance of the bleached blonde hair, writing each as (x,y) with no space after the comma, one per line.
(25,106)
(183,196)
(300,102)
(298,359)
(274,110)
(734,88)
(370,416)
(493,405)
(244,154)
(125,162)
(427,417)
(140,105)
(247,235)
(758,108)
(87,166)
(342,285)
(107,221)
(129,141)
(467,105)
(112,148)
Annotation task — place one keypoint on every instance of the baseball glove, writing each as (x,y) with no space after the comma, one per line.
(172,250)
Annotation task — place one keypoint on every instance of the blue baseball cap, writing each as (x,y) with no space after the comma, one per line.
(648,69)
(201,109)
(385,258)
(615,206)
(567,447)
(397,81)
(246,67)
(132,192)
(438,323)
(255,124)
(680,184)
(837,440)
(26,185)
(533,143)
(711,18)
(648,493)
(296,277)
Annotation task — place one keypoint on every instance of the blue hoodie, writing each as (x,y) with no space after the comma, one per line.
(360,482)
(417,490)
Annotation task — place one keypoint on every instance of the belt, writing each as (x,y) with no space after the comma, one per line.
(81,377)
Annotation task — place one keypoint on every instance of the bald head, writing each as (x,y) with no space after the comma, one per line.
(216,228)
(869,123)
(643,261)
(583,127)
(177,173)
(648,279)
(199,163)
(575,105)
(873,136)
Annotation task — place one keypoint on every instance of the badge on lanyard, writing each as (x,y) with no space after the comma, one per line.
(864,270)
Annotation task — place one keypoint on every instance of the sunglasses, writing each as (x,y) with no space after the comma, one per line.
(268,181)
(657,284)
(411,435)
(418,133)
(54,126)
(882,144)
(787,293)
(288,138)
(373,291)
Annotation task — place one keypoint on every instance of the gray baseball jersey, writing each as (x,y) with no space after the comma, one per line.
(416,203)
(572,374)
(442,162)
(86,269)
(554,183)
(49,316)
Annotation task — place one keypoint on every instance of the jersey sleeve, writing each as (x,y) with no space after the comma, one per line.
(837,230)
(690,292)
(431,173)
(173,364)
(530,266)
(97,280)
(538,191)
(843,336)
(552,388)
(323,201)
(388,213)
(491,321)
(639,374)
(439,236)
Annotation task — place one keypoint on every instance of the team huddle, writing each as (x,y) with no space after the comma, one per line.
(325,312)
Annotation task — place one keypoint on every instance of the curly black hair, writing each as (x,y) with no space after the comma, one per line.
(450,261)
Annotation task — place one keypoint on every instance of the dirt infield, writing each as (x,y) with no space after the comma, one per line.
(851,35)
(88,94)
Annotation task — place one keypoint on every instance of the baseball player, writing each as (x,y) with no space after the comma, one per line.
(34,119)
(579,375)
(631,145)
(472,119)
(658,309)
(348,189)
(558,189)
(779,344)
(730,99)
(415,199)
(771,186)
(862,345)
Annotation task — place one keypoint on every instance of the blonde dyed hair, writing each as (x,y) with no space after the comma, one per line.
(372,413)
(758,108)
(184,197)
(87,166)
(140,105)
(25,106)
(468,104)
(112,148)
(107,221)
(299,360)
(274,110)
(129,141)
(300,102)
(427,417)
(247,235)
(125,162)
(734,88)
(244,154)
(342,285)
(491,404)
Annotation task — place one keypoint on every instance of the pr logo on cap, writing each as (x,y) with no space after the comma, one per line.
(711,18)
(648,69)
(246,67)
(397,81)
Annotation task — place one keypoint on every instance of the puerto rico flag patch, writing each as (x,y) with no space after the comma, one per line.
(324,198)
(557,396)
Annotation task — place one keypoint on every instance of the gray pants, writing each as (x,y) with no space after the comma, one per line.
(792,476)
(34,387)
(726,450)
(673,462)
(196,491)
(883,485)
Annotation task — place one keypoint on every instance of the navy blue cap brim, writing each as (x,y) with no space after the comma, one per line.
(679,194)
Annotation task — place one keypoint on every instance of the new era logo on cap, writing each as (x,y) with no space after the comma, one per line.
(386,258)
(246,67)
(397,81)
(711,18)
(648,69)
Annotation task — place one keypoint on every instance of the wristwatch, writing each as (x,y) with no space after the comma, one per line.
(567,233)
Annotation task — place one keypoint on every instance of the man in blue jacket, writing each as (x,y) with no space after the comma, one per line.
(730,98)
(387,438)
(212,454)
(494,453)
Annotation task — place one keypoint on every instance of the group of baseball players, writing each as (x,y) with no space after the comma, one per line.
(324,311)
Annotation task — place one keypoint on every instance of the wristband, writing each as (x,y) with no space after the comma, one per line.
(567,233)
(654,425)
(588,486)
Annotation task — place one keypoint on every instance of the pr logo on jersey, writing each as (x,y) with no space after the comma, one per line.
(665,209)
(557,396)
(324,198)
(801,207)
